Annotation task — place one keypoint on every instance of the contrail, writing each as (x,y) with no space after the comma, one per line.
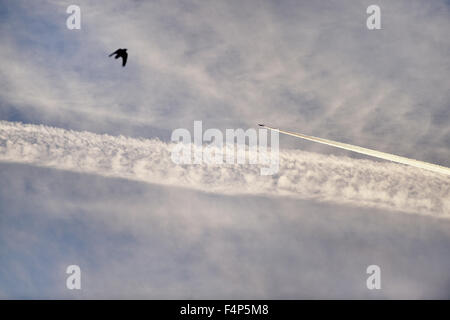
(301,175)
(369,152)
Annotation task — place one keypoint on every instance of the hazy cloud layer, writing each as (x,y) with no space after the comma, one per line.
(138,240)
(223,232)
(306,66)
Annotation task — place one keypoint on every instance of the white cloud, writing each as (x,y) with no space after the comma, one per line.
(296,65)
(307,66)
(139,240)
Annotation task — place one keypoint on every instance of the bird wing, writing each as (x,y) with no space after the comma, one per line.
(124,59)
(113,53)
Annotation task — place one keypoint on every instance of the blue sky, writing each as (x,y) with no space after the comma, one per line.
(311,67)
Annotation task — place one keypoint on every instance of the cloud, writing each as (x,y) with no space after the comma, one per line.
(140,240)
(301,175)
(311,67)
(223,232)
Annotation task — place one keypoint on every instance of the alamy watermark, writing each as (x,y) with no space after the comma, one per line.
(374,280)
(373,22)
(74,280)
(210,147)
(73,22)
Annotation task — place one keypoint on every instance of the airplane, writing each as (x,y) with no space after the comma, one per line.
(366,151)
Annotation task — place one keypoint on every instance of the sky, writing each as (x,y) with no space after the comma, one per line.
(85,170)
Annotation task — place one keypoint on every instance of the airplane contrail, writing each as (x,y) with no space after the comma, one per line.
(302,175)
(369,152)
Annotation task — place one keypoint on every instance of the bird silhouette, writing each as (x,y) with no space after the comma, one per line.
(122,53)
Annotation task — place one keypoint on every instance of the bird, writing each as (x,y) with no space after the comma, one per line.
(122,53)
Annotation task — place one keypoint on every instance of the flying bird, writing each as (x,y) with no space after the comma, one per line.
(122,53)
